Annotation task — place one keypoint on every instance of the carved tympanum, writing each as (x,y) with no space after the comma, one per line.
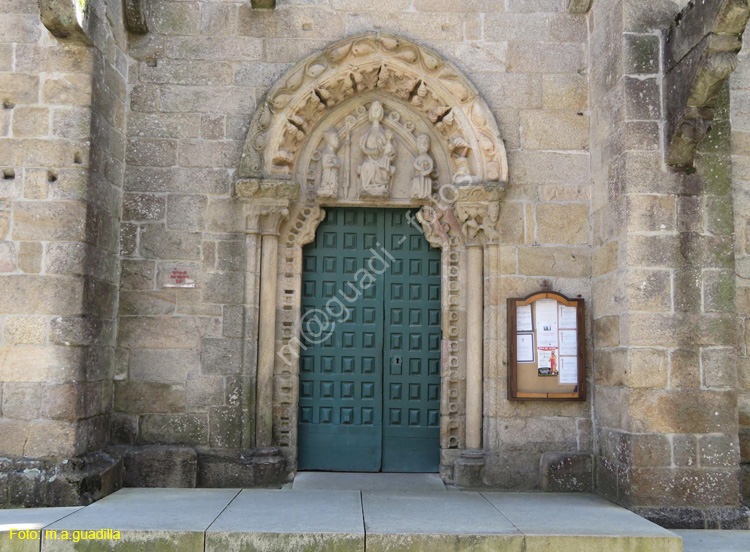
(407,79)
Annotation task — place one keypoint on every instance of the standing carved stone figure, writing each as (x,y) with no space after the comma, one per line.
(376,171)
(421,186)
(329,179)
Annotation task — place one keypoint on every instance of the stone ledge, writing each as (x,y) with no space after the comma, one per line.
(188,467)
(59,482)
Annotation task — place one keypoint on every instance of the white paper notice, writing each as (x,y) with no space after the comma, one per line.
(568,342)
(568,317)
(546,322)
(568,370)
(544,359)
(523,319)
(525,348)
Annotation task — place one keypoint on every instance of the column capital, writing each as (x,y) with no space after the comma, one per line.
(477,210)
(266,217)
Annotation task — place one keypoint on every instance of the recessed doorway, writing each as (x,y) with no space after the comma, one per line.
(371,345)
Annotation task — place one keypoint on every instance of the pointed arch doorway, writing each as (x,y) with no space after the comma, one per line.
(370,365)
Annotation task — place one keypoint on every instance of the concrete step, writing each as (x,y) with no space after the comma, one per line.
(227,520)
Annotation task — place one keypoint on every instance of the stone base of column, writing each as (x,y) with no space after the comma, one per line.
(468,469)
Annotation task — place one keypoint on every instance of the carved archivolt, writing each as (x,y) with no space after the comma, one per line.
(408,80)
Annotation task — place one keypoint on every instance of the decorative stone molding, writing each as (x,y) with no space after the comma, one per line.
(253,189)
(65,19)
(699,59)
(405,77)
(302,224)
(135,16)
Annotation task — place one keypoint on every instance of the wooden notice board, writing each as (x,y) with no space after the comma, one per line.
(546,348)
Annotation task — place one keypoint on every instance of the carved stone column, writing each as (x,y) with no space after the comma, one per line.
(478,211)
(269,207)
(474,345)
(270,220)
(252,295)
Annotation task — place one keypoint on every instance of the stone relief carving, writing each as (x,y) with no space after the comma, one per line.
(393,67)
(329,179)
(376,171)
(373,150)
(478,212)
(424,166)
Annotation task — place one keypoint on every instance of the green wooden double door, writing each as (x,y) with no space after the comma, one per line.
(370,356)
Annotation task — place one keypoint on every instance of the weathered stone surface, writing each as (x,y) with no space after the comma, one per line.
(565,472)
(160,466)
(245,468)
(158,243)
(61,220)
(174,429)
(141,397)
(563,223)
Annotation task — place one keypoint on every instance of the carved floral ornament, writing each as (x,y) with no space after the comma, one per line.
(373,117)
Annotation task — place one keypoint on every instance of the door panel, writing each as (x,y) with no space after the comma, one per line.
(370,384)
(411,425)
(341,397)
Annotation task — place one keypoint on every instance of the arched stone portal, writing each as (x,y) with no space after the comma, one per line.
(372,120)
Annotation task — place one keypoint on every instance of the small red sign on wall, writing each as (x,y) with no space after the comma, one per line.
(179,279)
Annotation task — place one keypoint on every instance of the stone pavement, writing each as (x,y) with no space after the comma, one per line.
(223,520)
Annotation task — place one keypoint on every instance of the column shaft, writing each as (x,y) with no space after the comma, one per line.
(266,339)
(474,346)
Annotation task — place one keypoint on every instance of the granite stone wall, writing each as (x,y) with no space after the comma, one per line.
(62,154)
(118,161)
(665,398)
(197,79)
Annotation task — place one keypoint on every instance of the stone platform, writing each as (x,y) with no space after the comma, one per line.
(225,520)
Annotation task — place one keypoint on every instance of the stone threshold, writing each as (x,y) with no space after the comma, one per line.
(223,520)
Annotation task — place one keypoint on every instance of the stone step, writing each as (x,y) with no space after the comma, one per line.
(225,520)
(353,481)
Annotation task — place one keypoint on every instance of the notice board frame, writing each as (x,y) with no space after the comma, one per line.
(579,392)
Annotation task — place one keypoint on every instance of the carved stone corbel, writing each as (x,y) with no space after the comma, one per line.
(579,6)
(135,16)
(66,20)
(700,55)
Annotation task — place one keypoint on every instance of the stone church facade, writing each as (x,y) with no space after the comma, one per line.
(169,168)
